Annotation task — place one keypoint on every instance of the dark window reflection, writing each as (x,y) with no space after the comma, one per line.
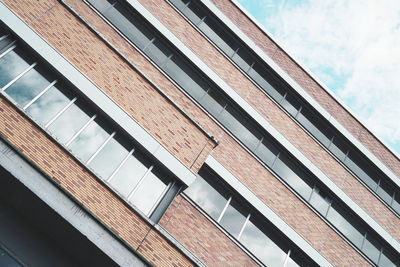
(6,260)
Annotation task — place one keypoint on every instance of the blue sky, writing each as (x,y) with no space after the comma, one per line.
(352,46)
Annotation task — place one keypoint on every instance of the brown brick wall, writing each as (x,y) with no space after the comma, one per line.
(199,235)
(70,175)
(278,119)
(90,55)
(309,84)
(117,79)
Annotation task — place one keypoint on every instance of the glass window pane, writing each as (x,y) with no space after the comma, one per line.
(157,51)
(28,86)
(129,24)
(233,218)
(220,38)
(338,148)
(186,77)
(89,140)
(213,102)
(209,199)
(346,225)
(48,105)
(320,201)
(69,122)
(240,127)
(102,5)
(371,248)
(291,263)
(179,4)
(109,157)
(243,59)
(267,152)
(353,163)
(11,65)
(129,174)
(319,131)
(148,192)
(396,202)
(7,260)
(5,43)
(388,259)
(291,104)
(386,191)
(262,246)
(193,13)
(262,77)
(281,167)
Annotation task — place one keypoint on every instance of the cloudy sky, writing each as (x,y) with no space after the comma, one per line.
(352,46)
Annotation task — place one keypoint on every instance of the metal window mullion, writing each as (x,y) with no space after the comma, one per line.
(393,198)
(224,209)
(39,95)
(100,148)
(19,76)
(162,64)
(187,4)
(60,112)
(8,49)
(363,242)
(298,112)
(4,36)
(80,130)
(243,227)
(171,183)
(150,42)
(273,162)
(120,165)
(133,191)
(286,258)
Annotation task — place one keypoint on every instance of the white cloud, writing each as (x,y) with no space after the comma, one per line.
(357,39)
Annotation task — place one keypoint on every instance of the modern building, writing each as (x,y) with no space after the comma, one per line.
(179,133)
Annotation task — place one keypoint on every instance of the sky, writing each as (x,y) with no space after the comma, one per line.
(351,46)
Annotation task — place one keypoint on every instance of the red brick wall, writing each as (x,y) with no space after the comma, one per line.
(198,234)
(278,119)
(83,186)
(96,60)
(308,84)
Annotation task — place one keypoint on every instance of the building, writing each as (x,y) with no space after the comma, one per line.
(178,133)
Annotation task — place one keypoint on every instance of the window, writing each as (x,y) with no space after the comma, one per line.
(53,103)
(294,104)
(194,82)
(252,230)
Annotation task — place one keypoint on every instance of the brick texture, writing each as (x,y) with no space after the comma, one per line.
(118,80)
(81,184)
(278,119)
(308,84)
(199,235)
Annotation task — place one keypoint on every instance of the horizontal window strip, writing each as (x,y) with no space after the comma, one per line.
(319,127)
(52,102)
(259,236)
(180,69)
